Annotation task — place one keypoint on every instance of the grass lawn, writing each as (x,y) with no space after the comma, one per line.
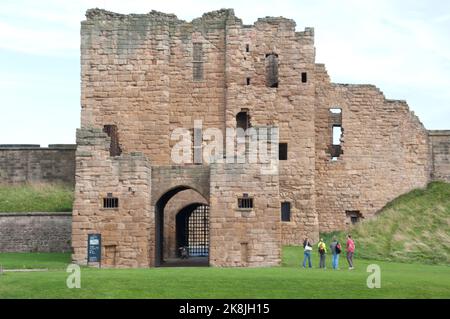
(288,281)
(36,198)
(34,260)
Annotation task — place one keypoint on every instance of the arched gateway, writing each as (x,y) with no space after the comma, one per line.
(188,225)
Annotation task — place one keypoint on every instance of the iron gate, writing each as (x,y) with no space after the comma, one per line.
(198,232)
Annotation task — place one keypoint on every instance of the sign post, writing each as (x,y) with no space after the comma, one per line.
(95,249)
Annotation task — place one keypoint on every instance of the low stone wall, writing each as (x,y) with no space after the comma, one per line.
(35,232)
(32,163)
(440,146)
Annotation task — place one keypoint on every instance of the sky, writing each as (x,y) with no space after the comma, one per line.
(402,47)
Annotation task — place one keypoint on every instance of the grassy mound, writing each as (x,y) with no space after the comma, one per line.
(413,228)
(36,198)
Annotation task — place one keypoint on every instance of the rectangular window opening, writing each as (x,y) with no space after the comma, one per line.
(197,61)
(283,151)
(304,77)
(197,146)
(336,147)
(272,70)
(248,81)
(353,216)
(247,48)
(337,134)
(286,212)
(110,202)
(245,202)
(112,132)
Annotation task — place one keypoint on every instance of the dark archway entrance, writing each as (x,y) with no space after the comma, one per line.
(194,218)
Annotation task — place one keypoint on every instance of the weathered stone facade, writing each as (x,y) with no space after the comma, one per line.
(440,151)
(143,76)
(35,164)
(35,232)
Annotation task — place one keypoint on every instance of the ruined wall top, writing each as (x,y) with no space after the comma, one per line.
(222,15)
(101,14)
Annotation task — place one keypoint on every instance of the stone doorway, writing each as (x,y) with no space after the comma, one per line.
(186,227)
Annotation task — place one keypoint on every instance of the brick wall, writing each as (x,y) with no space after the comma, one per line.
(35,232)
(31,163)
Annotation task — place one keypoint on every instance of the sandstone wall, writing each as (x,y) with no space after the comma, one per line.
(35,232)
(244,237)
(440,150)
(126,240)
(35,164)
(385,152)
(137,74)
(125,79)
(290,107)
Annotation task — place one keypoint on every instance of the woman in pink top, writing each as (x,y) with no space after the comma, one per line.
(350,251)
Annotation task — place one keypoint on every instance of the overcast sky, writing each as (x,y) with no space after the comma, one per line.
(403,47)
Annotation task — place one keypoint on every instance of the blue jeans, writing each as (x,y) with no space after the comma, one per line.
(307,255)
(335,261)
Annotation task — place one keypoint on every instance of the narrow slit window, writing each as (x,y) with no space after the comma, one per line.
(197,137)
(337,134)
(283,151)
(198,61)
(286,212)
(304,77)
(337,131)
(247,48)
(336,147)
(245,203)
(248,81)
(272,70)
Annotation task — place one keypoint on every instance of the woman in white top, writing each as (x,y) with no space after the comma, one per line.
(307,252)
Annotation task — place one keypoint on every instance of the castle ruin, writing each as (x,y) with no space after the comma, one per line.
(344,150)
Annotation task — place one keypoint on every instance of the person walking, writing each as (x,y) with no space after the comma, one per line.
(307,248)
(350,251)
(335,248)
(322,253)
